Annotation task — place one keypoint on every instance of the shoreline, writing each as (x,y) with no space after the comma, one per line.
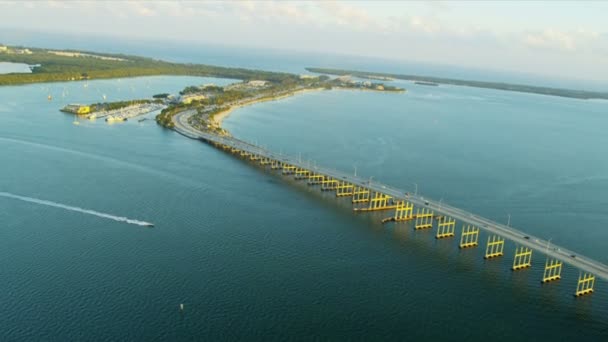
(219,117)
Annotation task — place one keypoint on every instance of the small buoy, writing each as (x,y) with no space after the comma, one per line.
(181,307)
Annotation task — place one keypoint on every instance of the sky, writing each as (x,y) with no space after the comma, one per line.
(558,39)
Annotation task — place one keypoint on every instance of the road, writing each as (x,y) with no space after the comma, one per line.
(581,262)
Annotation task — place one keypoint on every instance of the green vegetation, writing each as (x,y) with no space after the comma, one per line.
(190,90)
(161,96)
(212,88)
(60,68)
(578,94)
(165,118)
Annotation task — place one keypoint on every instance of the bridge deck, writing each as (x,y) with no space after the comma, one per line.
(509,233)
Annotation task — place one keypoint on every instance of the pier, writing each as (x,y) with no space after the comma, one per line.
(368,196)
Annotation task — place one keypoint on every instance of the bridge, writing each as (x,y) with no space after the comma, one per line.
(374,196)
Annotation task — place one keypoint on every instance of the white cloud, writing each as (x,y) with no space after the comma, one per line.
(344,14)
(579,40)
(427,25)
(550,39)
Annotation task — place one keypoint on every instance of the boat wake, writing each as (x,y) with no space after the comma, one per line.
(77,209)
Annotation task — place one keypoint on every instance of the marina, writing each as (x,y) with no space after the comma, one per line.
(126,113)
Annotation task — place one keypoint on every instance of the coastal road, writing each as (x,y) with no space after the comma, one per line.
(581,262)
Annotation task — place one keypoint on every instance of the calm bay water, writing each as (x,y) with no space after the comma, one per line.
(256,256)
(7,68)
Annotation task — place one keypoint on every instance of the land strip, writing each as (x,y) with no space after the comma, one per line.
(571,93)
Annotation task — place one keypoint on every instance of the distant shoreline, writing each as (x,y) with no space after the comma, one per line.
(569,93)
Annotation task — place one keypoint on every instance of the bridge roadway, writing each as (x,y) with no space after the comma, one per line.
(581,262)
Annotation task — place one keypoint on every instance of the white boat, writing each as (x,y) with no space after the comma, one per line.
(112,118)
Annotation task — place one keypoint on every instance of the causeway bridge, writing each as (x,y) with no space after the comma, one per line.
(425,213)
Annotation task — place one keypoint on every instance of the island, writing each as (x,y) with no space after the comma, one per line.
(208,104)
(431,84)
(209,101)
(571,93)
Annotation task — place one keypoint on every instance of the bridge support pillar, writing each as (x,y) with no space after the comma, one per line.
(288,169)
(553,270)
(328,184)
(585,284)
(275,164)
(523,258)
(344,189)
(360,195)
(315,178)
(404,211)
(379,201)
(301,173)
(445,228)
(495,247)
(424,218)
(469,237)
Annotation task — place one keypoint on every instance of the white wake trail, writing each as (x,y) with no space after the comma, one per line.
(77,209)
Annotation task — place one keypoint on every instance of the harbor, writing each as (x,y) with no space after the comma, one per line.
(113,115)
(123,114)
